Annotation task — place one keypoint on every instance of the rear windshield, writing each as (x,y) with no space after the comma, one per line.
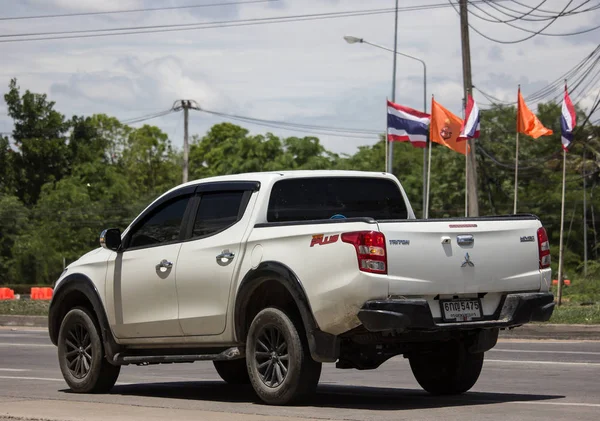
(302,199)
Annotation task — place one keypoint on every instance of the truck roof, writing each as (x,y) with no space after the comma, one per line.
(269,176)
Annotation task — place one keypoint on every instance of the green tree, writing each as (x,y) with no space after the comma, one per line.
(149,161)
(67,224)
(13,221)
(7,179)
(40,137)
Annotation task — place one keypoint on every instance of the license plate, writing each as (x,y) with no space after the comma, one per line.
(461,310)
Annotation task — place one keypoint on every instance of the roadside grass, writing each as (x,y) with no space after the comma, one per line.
(576,314)
(24,307)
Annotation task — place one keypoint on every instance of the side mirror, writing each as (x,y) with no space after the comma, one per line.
(111,239)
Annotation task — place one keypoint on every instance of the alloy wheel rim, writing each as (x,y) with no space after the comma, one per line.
(79,351)
(271,356)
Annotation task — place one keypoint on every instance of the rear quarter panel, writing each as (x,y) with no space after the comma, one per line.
(328,272)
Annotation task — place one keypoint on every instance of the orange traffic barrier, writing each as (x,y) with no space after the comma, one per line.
(7,294)
(566,282)
(41,293)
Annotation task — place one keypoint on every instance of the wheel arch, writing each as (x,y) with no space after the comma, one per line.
(77,290)
(323,346)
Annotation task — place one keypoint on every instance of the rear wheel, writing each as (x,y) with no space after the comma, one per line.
(233,372)
(81,354)
(449,371)
(279,363)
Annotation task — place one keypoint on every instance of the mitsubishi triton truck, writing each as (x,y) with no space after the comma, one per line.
(270,275)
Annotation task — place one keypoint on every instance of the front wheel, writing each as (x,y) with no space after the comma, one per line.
(81,354)
(451,370)
(280,367)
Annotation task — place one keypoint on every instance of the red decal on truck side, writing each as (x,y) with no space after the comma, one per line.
(320,239)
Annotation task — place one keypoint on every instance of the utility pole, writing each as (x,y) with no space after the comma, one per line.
(391,144)
(585,252)
(185,105)
(473,205)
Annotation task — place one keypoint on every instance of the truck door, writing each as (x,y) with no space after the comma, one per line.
(208,261)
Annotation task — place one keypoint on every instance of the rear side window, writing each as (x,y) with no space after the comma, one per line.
(217,211)
(302,199)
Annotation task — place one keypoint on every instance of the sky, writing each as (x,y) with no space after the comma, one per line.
(302,72)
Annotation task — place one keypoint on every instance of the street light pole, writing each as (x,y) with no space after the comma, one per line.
(354,40)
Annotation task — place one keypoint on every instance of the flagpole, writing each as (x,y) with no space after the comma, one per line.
(466,165)
(516,173)
(562,221)
(429,165)
(428,181)
(386,135)
(517,158)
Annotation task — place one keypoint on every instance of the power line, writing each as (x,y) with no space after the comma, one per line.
(93,33)
(147,117)
(299,125)
(551,12)
(495,19)
(533,33)
(147,9)
(322,130)
(576,74)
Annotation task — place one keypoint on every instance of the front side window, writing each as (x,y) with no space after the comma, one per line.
(163,225)
(217,211)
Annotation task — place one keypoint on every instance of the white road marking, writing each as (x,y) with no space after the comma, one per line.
(29,345)
(32,378)
(592,405)
(48,379)
(21,335)
(14,369)
(544,362)
(544,351)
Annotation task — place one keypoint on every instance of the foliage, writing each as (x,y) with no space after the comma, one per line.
(576,315)
(63,180)
(25,307)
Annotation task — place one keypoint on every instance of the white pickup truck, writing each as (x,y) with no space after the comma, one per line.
(269,275)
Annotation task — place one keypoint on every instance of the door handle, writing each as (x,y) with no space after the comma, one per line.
(164,263)
(225,257)
(465,240)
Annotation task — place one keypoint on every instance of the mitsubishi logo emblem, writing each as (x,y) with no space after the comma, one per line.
(467,262)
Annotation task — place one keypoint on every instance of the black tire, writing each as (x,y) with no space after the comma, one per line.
(81,354)
(280,367)
(234,371)
(450,371)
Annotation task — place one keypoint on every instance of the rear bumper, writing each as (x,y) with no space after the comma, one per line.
(415,314)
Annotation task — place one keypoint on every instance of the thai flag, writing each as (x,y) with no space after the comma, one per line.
(407,125)
(470,126)
(567,121)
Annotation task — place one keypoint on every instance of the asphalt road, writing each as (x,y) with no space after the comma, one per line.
(521,380)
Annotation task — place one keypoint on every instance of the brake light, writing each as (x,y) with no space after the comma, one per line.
(543,248)
(370,250)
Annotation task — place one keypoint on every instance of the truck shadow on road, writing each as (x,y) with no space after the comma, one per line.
(328,395)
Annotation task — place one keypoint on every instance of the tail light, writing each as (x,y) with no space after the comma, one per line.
(543,248)
(370,250)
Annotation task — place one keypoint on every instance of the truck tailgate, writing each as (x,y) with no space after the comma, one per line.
(430,257)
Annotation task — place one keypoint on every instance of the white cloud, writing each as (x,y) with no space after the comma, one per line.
(300,71)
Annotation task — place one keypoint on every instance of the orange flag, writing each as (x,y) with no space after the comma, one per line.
(527,122)
(445,128)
